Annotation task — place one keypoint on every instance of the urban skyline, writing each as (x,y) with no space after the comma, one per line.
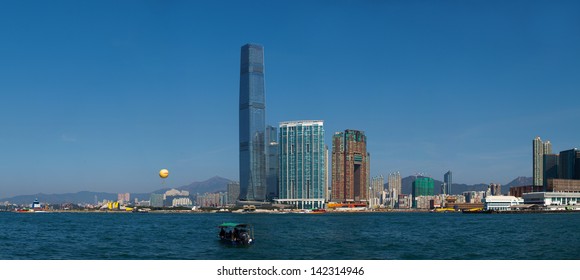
(303,182)
(108,101)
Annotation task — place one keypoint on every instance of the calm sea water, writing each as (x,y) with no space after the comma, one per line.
(101,236)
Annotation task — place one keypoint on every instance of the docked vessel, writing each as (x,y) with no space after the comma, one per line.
(476,211)
(35,207)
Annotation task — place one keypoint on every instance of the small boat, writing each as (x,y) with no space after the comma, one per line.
(317,211)
(236,234)
(476,211)
(26,210)
(443,210)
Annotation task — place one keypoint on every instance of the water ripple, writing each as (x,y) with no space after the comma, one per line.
(414,236)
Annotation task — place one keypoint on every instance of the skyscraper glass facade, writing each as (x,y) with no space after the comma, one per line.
(567,164)
(302,164)
(252,124)
(272,162)
(550,168)
(448,180)
(577,166)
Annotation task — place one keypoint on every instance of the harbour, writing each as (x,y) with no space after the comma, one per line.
(329,236)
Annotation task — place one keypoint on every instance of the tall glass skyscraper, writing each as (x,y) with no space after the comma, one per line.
(303,171)
(252,124)
(567,164)
(551,162)
(448,181)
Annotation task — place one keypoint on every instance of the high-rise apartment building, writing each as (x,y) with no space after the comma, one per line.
(350,167)
(303,172)
(395,188)
(547,147)
(233,192)
(252,124)
(495,189)
(156,200)
(448,181)
(272,163)
(123,198)
(539,149)
(376,190)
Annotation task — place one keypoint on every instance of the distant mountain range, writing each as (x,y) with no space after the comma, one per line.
(519,181)
(211,185)
(407,184)
(219,184)
(214,184)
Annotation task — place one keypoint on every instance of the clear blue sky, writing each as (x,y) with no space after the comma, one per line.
(100,95)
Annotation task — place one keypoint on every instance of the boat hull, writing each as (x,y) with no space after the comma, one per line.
(236,242)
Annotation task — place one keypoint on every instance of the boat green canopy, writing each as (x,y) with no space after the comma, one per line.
(233,225)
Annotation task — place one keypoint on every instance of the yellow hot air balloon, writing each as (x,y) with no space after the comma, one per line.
(163,173)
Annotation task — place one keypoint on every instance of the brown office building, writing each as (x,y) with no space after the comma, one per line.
(552,185)
(350,166)
(521,190)
(563,185)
